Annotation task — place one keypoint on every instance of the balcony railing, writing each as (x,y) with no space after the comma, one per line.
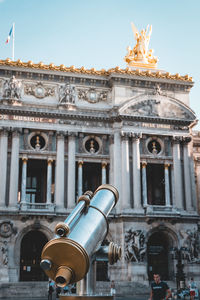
(27,206)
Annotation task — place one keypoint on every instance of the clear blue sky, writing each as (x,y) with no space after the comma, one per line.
(96,33)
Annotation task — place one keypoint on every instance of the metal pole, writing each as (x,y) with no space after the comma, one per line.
(13,45)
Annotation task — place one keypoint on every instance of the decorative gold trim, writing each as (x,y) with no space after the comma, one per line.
(93,71)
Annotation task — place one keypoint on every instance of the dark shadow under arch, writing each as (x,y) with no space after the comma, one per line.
(30,256)
(158,255)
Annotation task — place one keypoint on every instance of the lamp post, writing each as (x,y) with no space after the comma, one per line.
(178,254)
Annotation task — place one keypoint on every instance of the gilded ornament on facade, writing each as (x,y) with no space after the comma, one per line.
(141,55)
(106,73)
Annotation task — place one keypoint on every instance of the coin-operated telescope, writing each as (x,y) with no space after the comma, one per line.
(67,258)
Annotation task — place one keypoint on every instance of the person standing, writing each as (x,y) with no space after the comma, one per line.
(112,288)
(192,287)
(50,289)
(159,289)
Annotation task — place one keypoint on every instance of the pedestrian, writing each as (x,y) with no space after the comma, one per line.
(159,289)
(58,291)
(192,288)
(51,287)
(112,288)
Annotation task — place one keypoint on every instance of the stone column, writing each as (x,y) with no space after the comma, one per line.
(144,184)
(167,185)
(80,178)
(71,171)
(117,175)
(111,154)
(178,184)
(3,165)
(136,171)
(49,179)
(59,178)
(187,174)
(103,172)
(14,170)
(24,177)
(125,199)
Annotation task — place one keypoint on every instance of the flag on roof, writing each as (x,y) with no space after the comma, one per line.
(9,35)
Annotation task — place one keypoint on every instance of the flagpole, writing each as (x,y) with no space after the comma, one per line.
(13,45)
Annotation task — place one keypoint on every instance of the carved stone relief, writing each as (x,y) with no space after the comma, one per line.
(157,108)
(190,242)
(92,95)
(39,90)
(67,94)
(135,245)
(12,89)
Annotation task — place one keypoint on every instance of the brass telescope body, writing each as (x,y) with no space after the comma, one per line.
(66,258)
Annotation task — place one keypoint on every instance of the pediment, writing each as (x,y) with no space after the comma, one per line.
(157,106)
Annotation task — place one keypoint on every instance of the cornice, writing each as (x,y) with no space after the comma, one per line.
(108,116)
(93,71)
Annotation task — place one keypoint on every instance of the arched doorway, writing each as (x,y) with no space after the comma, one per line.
(30,256)
(158,255)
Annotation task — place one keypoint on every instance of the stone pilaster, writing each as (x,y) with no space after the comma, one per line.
(136,171)
(59,178)
(14,170)
(3,165)
(71,170)
(125,199)
(80,178)
(178,184)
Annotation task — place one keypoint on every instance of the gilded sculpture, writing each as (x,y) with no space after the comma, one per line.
(141,55)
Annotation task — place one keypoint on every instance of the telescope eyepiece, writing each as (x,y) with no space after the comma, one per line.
(63,276)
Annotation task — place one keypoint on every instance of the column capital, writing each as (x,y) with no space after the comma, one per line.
(4,131)
(16,132)
(104,164)
(186,140)
(60,134)
(144,164)
(167,166)
(80,163)
(177,139)
(72,133)
(24,159)
(49,160)
(136,136)
(125,135)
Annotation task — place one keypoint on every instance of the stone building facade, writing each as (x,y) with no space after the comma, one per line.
(67,130)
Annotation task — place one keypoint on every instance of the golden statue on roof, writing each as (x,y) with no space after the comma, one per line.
(141,56)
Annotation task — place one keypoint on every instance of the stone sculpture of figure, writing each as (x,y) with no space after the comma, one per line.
(4,250)
(135,248)
(12,89)
(67,94)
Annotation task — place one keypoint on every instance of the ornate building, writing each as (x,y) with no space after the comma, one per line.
(67,130)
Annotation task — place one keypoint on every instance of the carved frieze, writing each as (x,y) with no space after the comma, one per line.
(92,95)
(39,90)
